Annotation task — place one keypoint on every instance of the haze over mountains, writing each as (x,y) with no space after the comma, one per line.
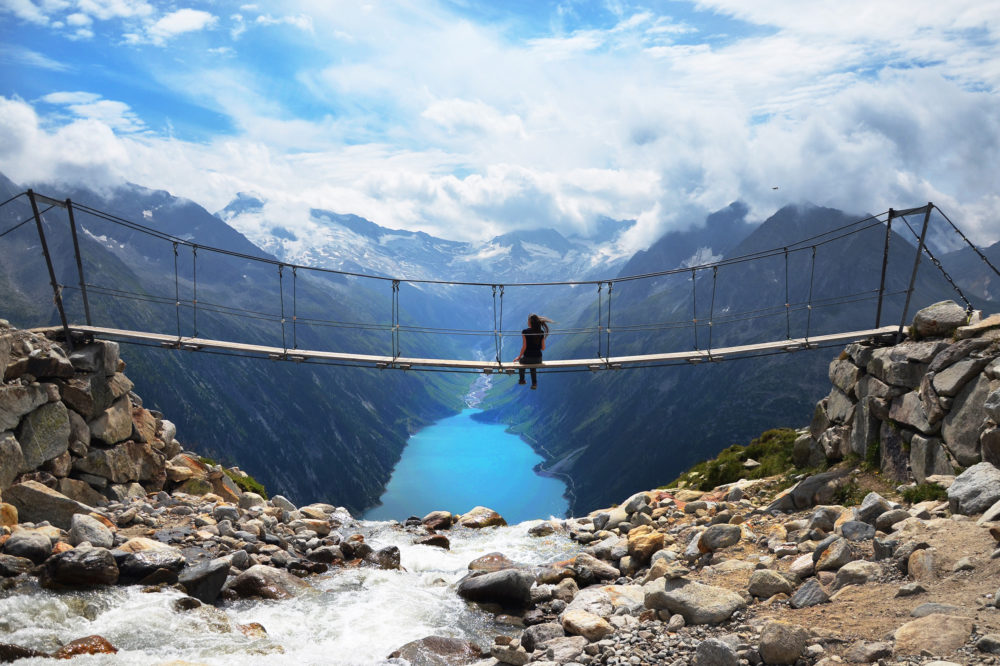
(333,434)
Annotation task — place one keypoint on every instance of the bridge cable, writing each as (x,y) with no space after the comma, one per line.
(694,306)
(934,260)
(809,306)
(395,320)
(295,308)
(281,298)
(607,346)
(711,309)
(16,196)
(968,242)
(788,314)
(194,281)
(500,330)
(600,311)
(177,294)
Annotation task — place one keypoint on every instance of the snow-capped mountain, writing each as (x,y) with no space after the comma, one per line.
(352,243)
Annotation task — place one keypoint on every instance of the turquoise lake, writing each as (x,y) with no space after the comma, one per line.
(459,463)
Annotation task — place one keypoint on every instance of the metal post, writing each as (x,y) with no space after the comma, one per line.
(79,262)
(56,289)
(916,265)
(885,263)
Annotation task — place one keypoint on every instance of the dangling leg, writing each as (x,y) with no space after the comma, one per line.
(520,373)
(534,379)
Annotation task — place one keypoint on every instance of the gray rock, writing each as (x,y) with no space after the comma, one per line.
(114,424)
(714,652)
(437,651)
(868,652)
(992,405)
(28,544)
(939,320)
(928,457)
(839,407)
(857,572)
(564,650)
(17,400)
(908,410)
(782,643)
(267,582)
(949,382)
(865,428)
(135,567)
(698,603)
(43,434)
(204,581)
(835,556)
(281,502)
(384,558)
(872,506)
(98,356)
(885,522)
(80,491)
(910,589)
(636,503)
(844,375)
(813,490)
(919,352)
(963,425)
(901,373)
(820,421)
(930,608)
(11,459)
(36,502)
(990,644)
(836,442)
(538,634)
(871,387)
(87,528)
(989,443)
(80,568)
(806,452)
(765,583)
(717,537)
(127,462)
(510,587)
(11,565)
(974,490)
(991,514)
(956,352)
(811,593)
(855,530)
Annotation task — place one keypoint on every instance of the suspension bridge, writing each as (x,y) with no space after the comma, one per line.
(787,267)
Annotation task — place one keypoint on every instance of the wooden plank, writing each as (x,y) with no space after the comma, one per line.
(692,356)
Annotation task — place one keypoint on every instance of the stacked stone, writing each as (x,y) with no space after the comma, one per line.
(930,403)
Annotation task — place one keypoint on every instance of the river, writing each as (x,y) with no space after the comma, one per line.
(458,463)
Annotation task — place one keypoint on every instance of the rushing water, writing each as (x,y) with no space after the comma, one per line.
(458,463)
(351,617)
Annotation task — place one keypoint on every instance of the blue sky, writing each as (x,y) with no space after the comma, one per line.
(468,119)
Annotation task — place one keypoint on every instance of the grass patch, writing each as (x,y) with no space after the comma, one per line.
(773,450)
(923,492)
(849,494)
(873,457)
(243,481)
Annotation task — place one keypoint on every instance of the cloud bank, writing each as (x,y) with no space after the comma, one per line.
(468,122)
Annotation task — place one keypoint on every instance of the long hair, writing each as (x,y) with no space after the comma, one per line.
(539,323)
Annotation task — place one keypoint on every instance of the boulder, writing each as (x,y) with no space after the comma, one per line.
(588,569)
(807,452)
(81,491)
(492,562)
(17,400)
(28,544)
(855,530)
(836,555)
(782,643)
(481,517)
(839,407)
(99,356)
(935,634)
(962,427)
(975,489)
(510,587)
(928,457)
(908,410)
(950,381)
(643,541)
(715,652)
(267,582)
(865,428)
(885,522)
(813,490)
(36,502)
(844,375)
(581,623)
(87,528)
(114,424)
(438,651)
(127,462)
(11,459)
(434,540)
(900,373)
(43,434)
(11,565)
(872,506)
(204,581)
(857,572)
(384,558)
(811,593)
(80,568)
(939,320)
(87,645)
(765,583)
(138,566)
(144,425)
(920,565)
(868,652)
(537,634)
(697,603)
(563,650)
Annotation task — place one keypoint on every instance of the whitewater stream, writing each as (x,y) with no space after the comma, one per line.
(353,616)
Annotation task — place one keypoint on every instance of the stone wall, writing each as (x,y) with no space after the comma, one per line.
(928,405)
(71,422)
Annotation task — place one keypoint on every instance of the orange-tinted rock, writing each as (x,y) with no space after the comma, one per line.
(88,645)
(61,547)
(252,630)
(481,517)
(491,562)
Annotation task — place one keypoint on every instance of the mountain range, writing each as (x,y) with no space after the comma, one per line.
(329,434)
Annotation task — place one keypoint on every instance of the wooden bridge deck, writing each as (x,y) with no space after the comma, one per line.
(405,363)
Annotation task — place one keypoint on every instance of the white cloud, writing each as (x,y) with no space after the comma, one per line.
(105,10)
(114,115)
(301,21)
(31,58)
(26,10)
(178,23)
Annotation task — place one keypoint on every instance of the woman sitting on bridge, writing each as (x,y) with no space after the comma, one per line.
(533,342)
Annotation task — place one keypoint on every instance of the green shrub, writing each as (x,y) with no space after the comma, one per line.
(773,450)
(849,494)
(923,492)
(246,483)
(873,457)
